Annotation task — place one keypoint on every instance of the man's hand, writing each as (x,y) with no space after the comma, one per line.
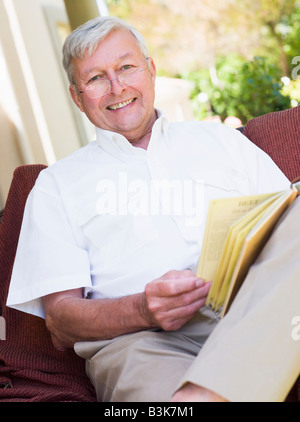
(173,299)
(195,393)
(168,302)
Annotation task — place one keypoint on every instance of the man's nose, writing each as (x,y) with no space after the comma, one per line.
(116,86)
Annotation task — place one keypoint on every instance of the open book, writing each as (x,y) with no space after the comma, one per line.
(235,232)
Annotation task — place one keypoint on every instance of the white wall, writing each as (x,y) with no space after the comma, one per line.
(45,125)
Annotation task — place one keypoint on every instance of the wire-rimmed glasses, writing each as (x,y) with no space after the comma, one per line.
(99,87)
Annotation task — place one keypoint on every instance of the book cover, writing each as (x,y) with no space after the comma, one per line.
(236,231)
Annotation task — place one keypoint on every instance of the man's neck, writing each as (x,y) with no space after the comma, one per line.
(143,141)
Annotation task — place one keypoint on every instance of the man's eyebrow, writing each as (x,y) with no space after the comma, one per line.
(96,68)
(125,55)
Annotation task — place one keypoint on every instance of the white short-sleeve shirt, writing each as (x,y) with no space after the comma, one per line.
(112,217)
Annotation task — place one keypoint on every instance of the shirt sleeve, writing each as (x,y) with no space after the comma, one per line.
(264,175)
(48,258)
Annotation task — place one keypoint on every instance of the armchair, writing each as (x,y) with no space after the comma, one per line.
(30,368)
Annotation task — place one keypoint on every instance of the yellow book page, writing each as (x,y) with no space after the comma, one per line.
(238,243)
(217,281)
(254,242)
(221,214)
(236,233)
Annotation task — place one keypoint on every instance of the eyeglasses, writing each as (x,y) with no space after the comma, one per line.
(97,88)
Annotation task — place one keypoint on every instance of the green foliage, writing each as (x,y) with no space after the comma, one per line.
(241,89)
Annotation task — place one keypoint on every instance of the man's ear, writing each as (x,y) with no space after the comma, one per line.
(152,69)
(75,96)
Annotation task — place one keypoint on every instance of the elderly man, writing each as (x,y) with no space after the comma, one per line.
(112,233)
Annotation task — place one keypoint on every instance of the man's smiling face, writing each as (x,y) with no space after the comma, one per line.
(128,110)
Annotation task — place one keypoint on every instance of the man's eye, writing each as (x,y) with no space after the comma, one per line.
(126,67)
(94,79)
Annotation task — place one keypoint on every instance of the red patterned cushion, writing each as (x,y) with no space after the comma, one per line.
(278,134)
(31,369)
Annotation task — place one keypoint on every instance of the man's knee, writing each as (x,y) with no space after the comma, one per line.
(140,367)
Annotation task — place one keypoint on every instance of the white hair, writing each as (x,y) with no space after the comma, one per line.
(86,38)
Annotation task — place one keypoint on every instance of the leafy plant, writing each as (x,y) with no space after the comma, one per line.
(241,89)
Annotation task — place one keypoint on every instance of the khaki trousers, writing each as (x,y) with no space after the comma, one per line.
(253,354)
(144,366)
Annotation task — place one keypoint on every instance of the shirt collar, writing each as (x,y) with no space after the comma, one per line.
(117,145)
